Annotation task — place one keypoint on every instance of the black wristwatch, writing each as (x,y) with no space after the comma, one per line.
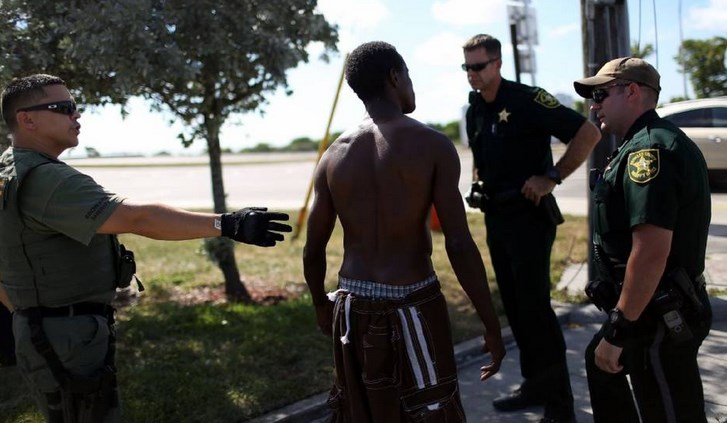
(617,328)
(554,175)
(616,317)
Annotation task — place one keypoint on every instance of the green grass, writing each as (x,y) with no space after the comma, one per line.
(182,358)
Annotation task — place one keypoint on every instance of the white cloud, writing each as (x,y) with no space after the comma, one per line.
(440,99)
(710,17)
(564,30)
(355,19)
(442,49)
(361,14)
(469,12)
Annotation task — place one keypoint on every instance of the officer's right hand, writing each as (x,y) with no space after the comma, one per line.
(608,356)
(496,348)
(536,187)
(254,225)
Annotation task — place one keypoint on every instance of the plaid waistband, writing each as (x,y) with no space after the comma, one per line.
(382,291)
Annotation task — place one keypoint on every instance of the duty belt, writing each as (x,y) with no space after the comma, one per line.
(78,309)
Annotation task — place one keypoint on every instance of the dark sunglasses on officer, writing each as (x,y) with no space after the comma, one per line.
(66,107)
(478,66)
(600,94)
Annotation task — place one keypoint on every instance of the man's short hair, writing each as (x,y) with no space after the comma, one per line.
(488,42)
(368,66)
(24,92)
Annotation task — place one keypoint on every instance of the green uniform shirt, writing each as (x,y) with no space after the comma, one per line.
(57,198)
(658,176)
(510,137)
(54,257)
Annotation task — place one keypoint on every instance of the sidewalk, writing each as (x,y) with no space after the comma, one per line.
(579,325)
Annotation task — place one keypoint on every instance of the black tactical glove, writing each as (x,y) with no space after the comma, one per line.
(254,225)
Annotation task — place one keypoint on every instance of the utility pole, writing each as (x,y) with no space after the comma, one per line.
(605,31)
(523,36)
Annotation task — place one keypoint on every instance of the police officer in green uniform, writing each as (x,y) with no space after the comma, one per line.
(651,218)
(509,126)
(60,260)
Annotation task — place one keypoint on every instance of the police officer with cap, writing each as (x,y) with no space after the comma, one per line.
(60,260)
(651,214)
(509,126)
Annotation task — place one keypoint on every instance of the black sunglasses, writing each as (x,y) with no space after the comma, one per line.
(478,66)
(600,94)
(67,107)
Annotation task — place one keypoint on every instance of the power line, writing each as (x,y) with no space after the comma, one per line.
(656,35)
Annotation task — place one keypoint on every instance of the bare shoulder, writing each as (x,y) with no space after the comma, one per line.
(435,141)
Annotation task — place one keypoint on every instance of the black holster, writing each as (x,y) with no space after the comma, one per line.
(551,209)
(605,290)
(126,268)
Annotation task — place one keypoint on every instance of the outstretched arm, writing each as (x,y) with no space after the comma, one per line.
(463,253)
(252,225)
(158,221)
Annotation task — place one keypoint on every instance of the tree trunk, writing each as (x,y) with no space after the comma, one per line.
(222,250)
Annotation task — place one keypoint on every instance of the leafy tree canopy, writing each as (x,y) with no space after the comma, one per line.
(704,62)
(199,59)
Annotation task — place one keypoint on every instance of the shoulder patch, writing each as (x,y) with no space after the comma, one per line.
(545,99)
(643,165)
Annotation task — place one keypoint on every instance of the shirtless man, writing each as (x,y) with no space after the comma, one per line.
(392,342)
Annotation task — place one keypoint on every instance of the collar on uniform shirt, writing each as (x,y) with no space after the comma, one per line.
(643,120)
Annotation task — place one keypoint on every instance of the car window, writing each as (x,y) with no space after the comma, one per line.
(719,117)
(697,118)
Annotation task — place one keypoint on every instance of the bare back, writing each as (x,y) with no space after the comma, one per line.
(381,179)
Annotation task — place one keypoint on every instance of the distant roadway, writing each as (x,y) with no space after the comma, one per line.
(276,180)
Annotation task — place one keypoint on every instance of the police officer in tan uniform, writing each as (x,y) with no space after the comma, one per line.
(651,218)
(60,261)
(510,126)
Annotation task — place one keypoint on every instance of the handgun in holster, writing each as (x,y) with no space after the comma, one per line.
(476,196)
(605,290)
(551,209)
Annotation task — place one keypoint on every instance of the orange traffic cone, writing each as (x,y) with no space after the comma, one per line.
(434,221)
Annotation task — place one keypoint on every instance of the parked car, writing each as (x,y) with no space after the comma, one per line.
(705,121)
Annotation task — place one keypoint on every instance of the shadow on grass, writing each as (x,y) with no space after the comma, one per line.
(204,363)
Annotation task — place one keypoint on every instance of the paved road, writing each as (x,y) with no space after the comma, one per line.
(279,181)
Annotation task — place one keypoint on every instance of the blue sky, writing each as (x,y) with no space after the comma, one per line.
(429,35)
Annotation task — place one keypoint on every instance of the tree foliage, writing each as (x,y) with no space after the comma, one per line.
(450,129)
(638,51)
(704,62)
(201,60)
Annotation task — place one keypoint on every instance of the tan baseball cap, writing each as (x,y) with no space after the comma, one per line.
(625,68)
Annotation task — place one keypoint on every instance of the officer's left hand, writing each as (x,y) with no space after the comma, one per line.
(607,356)
(536,187)
(255,225)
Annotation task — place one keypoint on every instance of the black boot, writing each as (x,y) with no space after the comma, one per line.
(517,400)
